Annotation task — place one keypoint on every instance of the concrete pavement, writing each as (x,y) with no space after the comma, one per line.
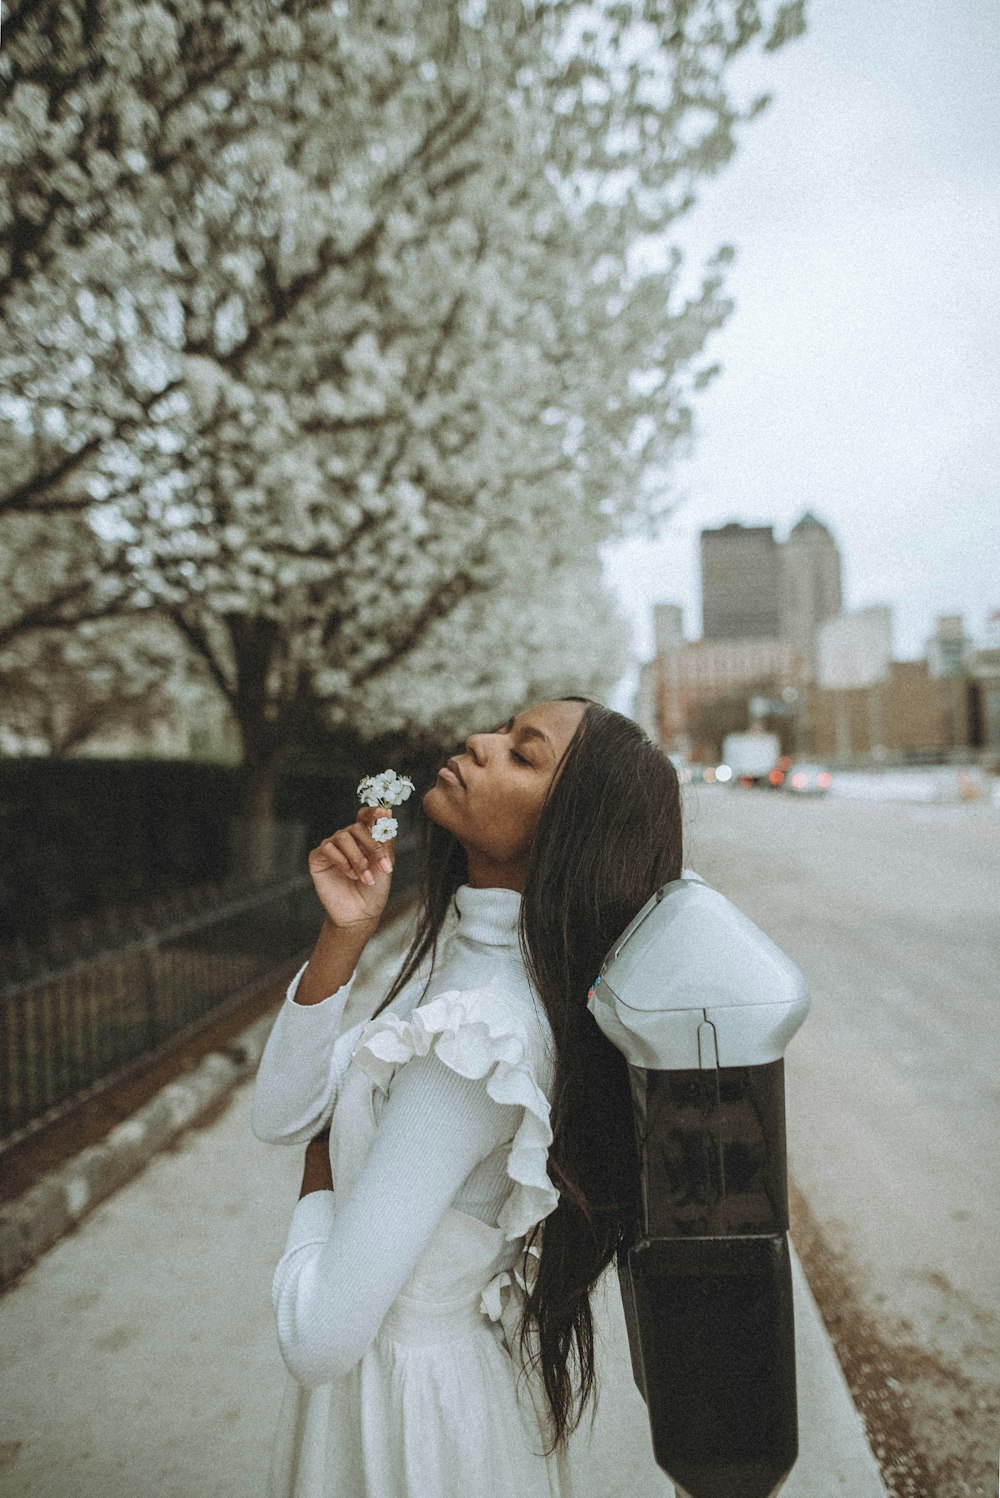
(140,1356)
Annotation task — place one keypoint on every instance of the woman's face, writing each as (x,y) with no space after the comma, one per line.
(493,802)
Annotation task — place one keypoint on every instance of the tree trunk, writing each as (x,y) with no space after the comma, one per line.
(255,837)
(267,738)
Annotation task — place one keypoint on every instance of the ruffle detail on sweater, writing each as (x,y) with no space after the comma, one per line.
(478,1034)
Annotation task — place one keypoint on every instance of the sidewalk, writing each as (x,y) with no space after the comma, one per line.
(140,1355)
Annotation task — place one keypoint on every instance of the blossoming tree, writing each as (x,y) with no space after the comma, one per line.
(332,317)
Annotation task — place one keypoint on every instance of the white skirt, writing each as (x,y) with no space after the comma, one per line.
(436,1408)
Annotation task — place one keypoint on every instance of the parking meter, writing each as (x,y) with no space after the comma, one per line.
(702,1005)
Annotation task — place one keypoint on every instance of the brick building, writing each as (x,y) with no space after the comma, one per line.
(912,712)
(689,677)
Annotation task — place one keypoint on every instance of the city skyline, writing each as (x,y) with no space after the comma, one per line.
(692,605)
(859,378)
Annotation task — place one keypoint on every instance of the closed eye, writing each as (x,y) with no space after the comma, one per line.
(502,728)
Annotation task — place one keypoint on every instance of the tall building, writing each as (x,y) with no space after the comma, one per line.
(740,583)
(948,648)
(991,638)
(985,670)
(645,710)
(810,587)
(854,649)
(854,655)
(668,626)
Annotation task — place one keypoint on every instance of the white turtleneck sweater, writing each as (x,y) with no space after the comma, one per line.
(441,1142)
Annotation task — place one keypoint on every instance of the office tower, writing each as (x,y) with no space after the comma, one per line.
(949,647)
(991,632)
(740,582)
(810,587)
(855,649)
(668,626)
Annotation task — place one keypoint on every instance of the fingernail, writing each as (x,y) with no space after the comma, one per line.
(368,876)
(385,863)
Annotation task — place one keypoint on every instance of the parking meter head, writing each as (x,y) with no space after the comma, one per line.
(692,982)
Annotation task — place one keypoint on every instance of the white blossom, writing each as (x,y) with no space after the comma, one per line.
(314,383)
(386,789)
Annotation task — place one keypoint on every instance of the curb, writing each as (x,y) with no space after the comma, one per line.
(54,1205)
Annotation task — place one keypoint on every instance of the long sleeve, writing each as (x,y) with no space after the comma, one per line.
(344,1264)
(299,1073)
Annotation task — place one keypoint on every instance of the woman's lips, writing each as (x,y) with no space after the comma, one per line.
(446,773)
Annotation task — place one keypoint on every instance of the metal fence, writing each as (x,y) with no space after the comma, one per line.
(71,1033)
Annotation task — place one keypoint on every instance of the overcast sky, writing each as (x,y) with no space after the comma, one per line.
(861,374)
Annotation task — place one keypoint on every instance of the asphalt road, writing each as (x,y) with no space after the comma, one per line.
(893,1100)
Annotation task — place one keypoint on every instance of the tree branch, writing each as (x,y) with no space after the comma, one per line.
(441,602)
(198,640)
(46,616)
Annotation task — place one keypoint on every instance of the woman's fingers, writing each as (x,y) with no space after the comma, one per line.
(378,852)
(348,838)
(358,850)
(353,851)
(342,853)
(334,857)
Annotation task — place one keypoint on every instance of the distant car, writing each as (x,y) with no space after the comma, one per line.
(807,779)
(776,777)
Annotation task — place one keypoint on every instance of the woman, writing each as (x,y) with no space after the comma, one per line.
(432,1302)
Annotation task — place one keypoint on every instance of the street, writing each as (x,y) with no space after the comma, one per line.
(892,1098)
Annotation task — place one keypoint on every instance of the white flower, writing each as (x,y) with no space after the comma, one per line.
(387,789)
(385,829)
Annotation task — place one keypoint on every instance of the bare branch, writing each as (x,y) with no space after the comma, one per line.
(199,642)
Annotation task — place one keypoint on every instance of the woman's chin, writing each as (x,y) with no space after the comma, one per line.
(433,802)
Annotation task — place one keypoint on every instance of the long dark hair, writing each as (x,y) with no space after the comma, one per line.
(609,834)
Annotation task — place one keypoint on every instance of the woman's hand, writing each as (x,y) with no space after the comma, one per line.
(317,1174)
(352,873)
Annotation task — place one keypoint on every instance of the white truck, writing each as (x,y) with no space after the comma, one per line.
(750,756)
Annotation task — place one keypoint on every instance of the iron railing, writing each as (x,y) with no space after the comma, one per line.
(70,1033)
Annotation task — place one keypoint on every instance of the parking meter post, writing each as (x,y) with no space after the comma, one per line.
(702,1005)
